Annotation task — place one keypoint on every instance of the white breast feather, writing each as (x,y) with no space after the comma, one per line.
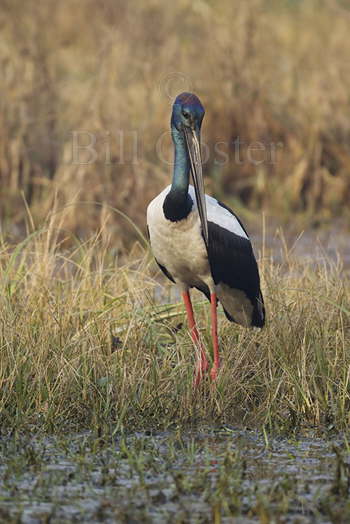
(179,246)
(215,213)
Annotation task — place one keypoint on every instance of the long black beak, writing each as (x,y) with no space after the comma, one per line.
(194,154)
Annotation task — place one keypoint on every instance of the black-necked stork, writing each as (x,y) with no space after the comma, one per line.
(199,242)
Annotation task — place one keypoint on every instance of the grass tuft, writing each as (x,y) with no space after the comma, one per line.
(92,339)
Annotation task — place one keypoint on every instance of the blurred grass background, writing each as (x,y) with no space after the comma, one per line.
(274,73)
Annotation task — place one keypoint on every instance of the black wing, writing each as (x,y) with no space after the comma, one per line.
(165,271)
(232,262)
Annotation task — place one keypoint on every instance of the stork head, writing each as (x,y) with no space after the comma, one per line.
(186,121)
(188,112)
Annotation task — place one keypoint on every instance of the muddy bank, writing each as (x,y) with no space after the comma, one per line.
(226,475)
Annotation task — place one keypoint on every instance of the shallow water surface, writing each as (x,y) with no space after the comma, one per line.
(224,475)
(330,244)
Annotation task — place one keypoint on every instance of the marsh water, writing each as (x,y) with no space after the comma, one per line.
(222,475)
(314,245)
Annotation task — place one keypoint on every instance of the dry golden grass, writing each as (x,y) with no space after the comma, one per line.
(274,72)
(269,72)
(60,365)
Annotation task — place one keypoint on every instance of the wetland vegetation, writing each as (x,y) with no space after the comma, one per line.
(99,421)
(227,475)
(90,338)
(99,418)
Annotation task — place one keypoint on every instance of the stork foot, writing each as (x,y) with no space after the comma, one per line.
(214,373)
(201,368)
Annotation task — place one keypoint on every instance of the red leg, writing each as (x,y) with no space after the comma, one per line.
(214,334)
(202,365)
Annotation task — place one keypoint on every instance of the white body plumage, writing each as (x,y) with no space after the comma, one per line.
(180,248)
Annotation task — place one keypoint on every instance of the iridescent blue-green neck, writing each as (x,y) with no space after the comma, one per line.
(181,173)
(178,204)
